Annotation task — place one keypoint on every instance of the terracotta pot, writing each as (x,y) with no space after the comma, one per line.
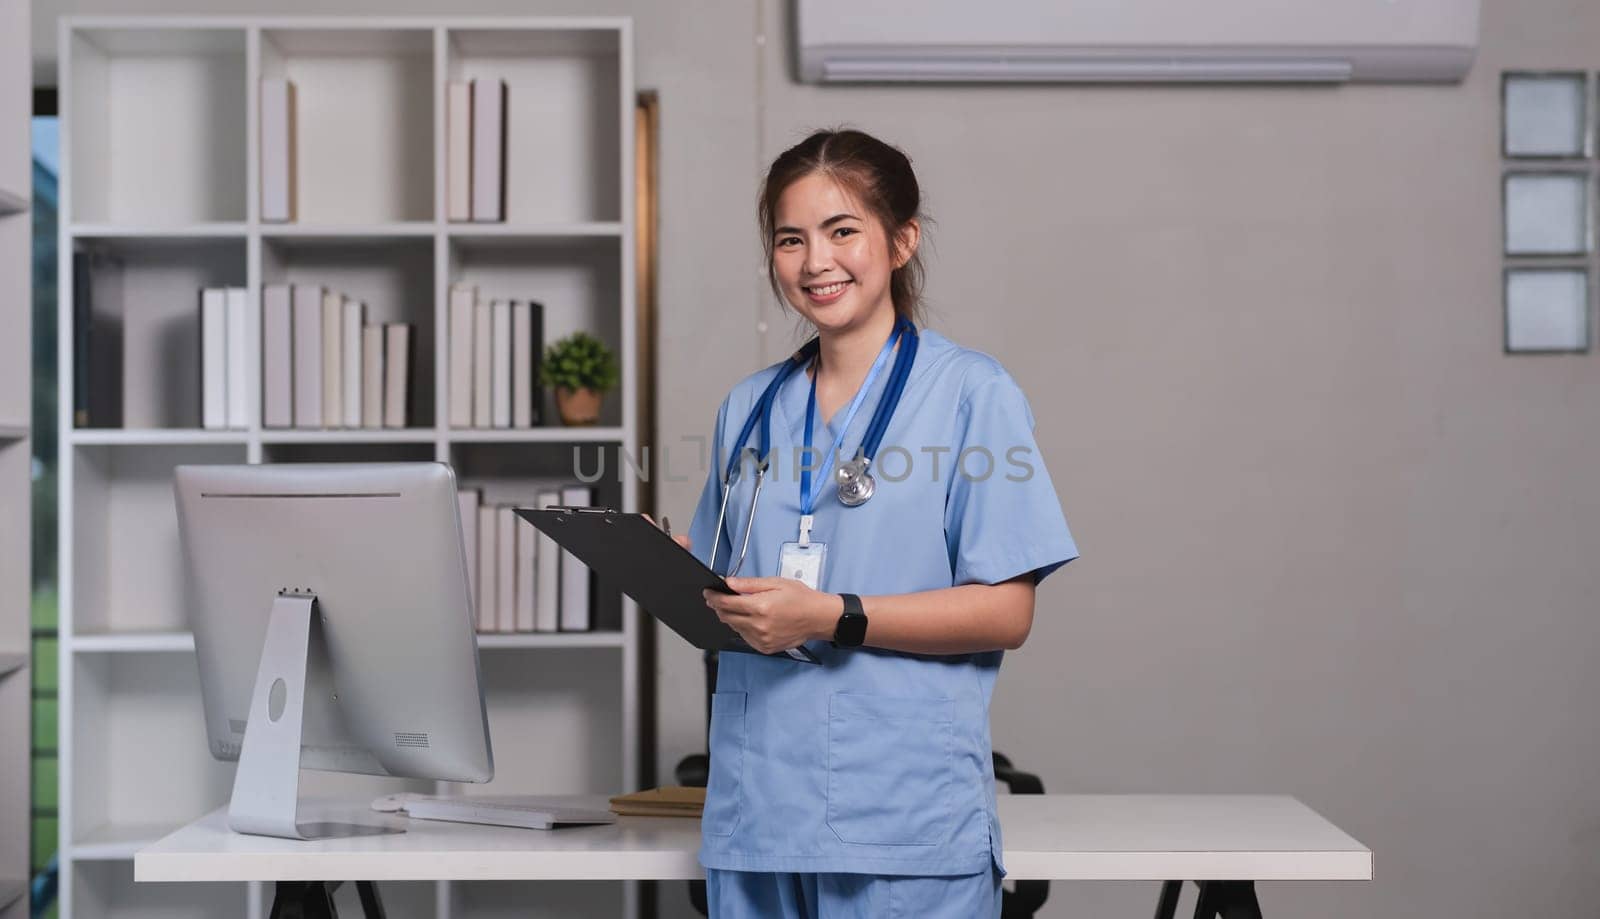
(578,406)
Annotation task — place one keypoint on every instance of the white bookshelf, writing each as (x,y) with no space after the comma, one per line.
(178,205)
(16,376)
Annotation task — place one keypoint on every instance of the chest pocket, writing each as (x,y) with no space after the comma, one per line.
(891,765)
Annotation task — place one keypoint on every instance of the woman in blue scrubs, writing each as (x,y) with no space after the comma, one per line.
(863,785)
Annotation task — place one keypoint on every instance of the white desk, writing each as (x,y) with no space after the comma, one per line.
(1237,839)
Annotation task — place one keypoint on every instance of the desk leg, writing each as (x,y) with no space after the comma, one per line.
(1167,906)
(302,900)
(314,900)
(1224,899)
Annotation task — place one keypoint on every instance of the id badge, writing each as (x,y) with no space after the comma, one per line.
(803,563)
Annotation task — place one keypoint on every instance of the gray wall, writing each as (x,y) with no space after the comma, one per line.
(1335,544)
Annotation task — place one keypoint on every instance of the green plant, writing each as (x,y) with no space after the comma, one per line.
(579,361)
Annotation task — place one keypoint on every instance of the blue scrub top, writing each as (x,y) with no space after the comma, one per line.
(876,762)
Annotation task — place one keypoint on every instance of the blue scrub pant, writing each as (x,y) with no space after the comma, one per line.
(742,894)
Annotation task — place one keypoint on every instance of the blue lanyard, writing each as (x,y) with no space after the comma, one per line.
(807,499)
(763,410)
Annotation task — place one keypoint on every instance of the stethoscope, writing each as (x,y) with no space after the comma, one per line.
(856,485)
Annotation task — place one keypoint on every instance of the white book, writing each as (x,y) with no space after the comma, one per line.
(527,555)
(277,150)
(462,300)
(488,149)
(307,356)
(332,358)
(355,313)
(277,361)
(500,400)
(458,150)
(396,374)
(547,582)
(488,555)
(521,364)
(574,573)
(467,503)
(505,619)
(238,360)
(372,376)
(213,358)
(482,358)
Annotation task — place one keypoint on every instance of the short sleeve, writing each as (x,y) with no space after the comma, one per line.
(703,531)
(1002,516)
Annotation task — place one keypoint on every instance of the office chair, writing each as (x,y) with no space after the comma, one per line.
(694,771)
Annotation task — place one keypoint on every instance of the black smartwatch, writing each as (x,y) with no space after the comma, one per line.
(852,628)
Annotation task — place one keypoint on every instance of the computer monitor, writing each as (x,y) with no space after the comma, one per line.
(333,625)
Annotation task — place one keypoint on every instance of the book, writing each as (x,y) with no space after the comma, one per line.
(278,179)
(527,562)
(238,360)
(213,358)
(521,364)
(355,314)
(488,150)
(463,299)
(307,301)
(666,801)
(97,310)
(505,619)
(467,506)
(482,371)
(372,377)
(488,555)
(332,359)
(536,414)
(397,375)
(277,362)
(458,150)
(547,582)
(500,399)
(574,573)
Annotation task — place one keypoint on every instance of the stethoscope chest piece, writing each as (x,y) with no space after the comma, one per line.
(856,484)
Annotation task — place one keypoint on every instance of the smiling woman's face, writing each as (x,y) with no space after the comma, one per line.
(830,255)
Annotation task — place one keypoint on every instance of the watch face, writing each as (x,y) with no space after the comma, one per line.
(852,630)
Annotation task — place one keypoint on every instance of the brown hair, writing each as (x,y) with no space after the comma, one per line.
(878,175)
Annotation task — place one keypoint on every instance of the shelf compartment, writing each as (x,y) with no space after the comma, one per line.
(348,452)
(126,565)
(577,281)
(145,308)
(563,159)
(140,762)
(364,121)
(108,889)
(394,277)
(171,103)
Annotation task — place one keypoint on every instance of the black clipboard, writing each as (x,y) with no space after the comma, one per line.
(664,578)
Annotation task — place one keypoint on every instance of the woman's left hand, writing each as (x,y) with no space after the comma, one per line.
(776,614)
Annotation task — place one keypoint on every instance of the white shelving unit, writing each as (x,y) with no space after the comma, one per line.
(160,153)
(16,377)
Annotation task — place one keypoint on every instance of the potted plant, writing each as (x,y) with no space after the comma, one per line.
(580,368)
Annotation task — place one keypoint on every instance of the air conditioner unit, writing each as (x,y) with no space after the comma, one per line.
(1138,41)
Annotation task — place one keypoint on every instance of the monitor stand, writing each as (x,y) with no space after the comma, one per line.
(266,787)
